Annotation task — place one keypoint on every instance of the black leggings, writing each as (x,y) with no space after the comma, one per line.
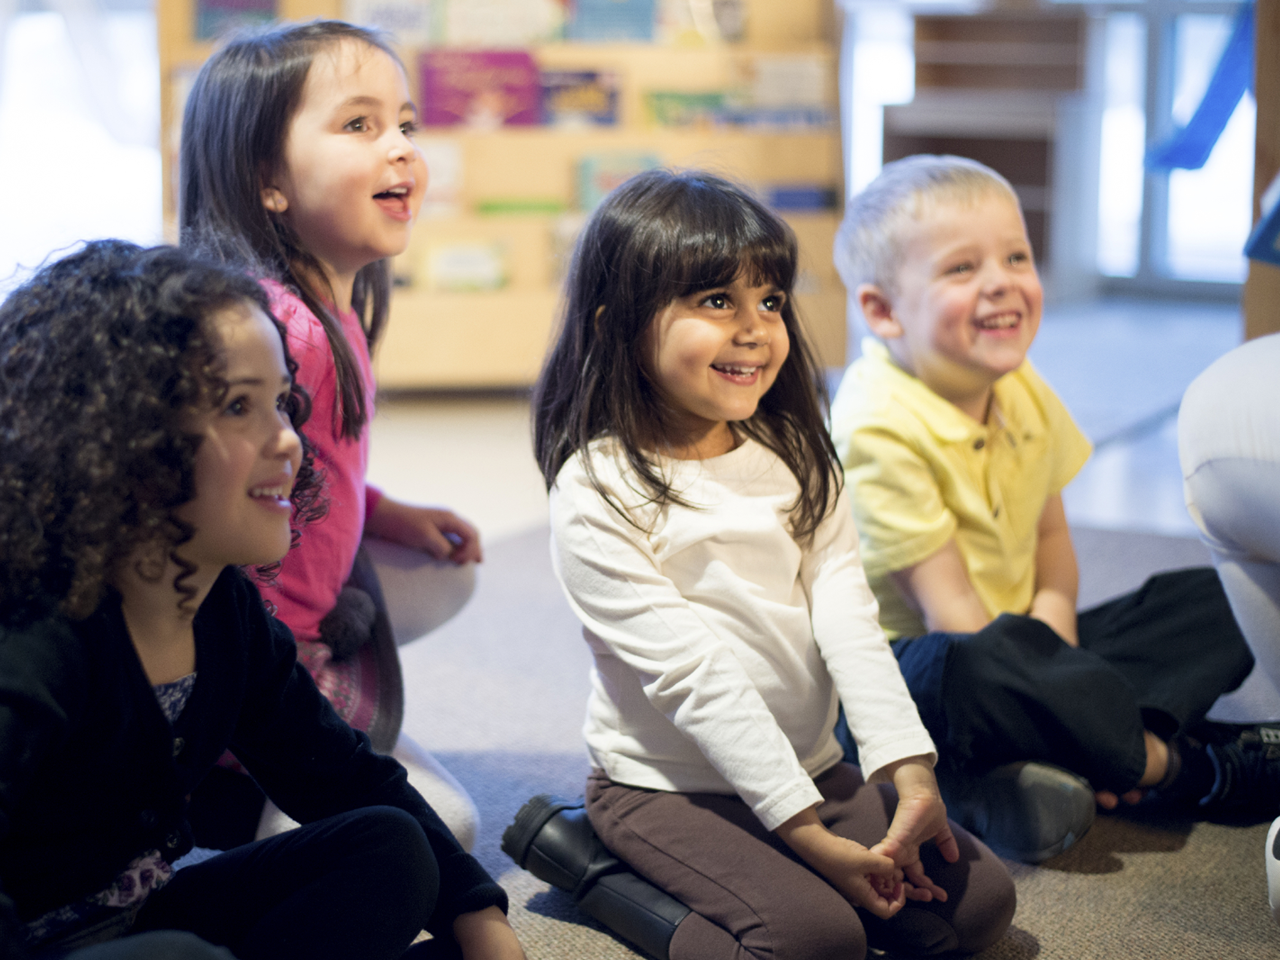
(361,884)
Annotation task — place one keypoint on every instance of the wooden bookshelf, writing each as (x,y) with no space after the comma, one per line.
(440,339)
(1008,88)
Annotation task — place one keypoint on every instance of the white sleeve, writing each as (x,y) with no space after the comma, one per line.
(882,716)
(689,674)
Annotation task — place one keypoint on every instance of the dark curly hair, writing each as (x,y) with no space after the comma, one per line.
(661,235)
(103,354)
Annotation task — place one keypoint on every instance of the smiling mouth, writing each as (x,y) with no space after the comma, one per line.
(737,373)
(999,321)
(277,495)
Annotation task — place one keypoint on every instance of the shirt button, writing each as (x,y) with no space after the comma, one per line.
(979,444)
(995,512)
(178,744)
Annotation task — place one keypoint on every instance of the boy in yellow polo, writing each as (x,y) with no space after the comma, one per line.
(955,453)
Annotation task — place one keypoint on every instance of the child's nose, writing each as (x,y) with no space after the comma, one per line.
(402,145)
(751,328)
(288,445)
(996,278)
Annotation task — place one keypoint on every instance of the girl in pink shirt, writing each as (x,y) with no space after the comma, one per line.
(298,164)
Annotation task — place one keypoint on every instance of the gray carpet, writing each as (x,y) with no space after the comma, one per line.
(498,695)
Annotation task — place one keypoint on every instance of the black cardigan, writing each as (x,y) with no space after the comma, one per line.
(93,775)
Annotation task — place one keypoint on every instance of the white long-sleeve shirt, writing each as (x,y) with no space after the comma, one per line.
(720,642)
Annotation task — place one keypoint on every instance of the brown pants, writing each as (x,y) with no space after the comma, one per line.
(753,899)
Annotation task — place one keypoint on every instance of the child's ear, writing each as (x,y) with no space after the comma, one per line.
(274,200)
(878,311)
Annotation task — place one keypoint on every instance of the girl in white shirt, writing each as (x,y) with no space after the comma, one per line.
(701,535)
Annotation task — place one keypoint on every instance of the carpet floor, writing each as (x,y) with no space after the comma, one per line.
(498,694)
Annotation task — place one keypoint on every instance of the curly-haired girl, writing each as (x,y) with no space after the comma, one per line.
(149,451)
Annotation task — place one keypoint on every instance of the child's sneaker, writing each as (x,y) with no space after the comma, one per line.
(1246,774)
(1023,811)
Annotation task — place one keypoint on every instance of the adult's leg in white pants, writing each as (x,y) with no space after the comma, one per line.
(1229,445)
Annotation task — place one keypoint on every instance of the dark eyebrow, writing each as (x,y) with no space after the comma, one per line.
(286,380)
(375,102)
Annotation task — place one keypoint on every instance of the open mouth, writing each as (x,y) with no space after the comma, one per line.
(276,496)
(394,202)
(737,374)
(998,321)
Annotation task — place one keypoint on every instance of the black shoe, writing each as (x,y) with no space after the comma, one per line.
(552,839)
(1023,811)
(1246,774)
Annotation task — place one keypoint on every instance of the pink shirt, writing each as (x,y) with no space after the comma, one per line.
(314,571)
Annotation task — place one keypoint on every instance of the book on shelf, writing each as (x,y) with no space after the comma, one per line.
(495,24)
(801,197)
(598,173)
(443,197)
(466,266)
(679,108)
(410,22)
(579,98)
(217,18)
(482,89)
(699,22)
(611,20)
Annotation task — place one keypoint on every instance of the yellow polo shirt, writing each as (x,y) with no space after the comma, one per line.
(920,472)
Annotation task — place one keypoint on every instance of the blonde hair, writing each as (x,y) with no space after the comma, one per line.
(868,245)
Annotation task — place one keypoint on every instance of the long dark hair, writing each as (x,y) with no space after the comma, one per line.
(233,134)
(663,235)
(104,356)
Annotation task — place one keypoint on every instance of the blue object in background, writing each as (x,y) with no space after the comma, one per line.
(611,20)
(1264,243)
(1189,147)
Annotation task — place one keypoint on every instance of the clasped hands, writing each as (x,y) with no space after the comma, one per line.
(882,878)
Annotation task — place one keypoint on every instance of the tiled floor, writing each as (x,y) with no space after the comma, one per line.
(1121,366)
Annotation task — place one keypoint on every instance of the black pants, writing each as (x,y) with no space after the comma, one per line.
(1155,659)
(362,884)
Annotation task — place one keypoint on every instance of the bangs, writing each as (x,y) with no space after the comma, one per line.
(712,238)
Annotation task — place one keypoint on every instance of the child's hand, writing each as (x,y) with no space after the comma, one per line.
(921,815)
(863,877)
(486,935)
(437,531)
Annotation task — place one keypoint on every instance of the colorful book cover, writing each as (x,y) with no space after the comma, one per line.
(444,177)
(598,173)
(484,89)
(215,18)
(674,108)
(466,266)
(491,24)
(410,22)
(579,98)
(595,20)
(801,197)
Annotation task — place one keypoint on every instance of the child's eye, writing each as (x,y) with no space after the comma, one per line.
(282,403)
(237,407)
(960,268)
(1019,258)
(716,301)
(410,127)
(358,125)
(773,303)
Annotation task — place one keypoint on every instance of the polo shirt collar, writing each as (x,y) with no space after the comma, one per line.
(941,417)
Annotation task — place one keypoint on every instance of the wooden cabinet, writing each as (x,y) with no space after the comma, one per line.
(496,338)
(1011,90)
